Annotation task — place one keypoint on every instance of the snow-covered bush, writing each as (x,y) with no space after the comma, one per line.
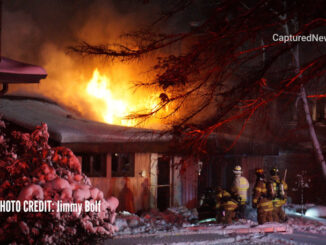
(31,170)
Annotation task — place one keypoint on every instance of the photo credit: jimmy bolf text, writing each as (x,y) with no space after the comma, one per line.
(48,206)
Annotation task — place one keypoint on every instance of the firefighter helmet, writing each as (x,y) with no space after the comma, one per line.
(260,172)
(237,169)
(274,172)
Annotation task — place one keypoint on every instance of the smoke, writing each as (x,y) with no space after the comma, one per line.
(19,35)
(39,32)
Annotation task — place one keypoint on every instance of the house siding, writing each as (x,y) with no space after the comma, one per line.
(138,185)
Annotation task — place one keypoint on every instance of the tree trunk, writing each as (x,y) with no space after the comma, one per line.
(312,131)
(303,96)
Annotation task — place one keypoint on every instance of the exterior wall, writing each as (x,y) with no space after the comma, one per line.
(177,184)
(104,183)
(140,192)
(189,182)
(137,186)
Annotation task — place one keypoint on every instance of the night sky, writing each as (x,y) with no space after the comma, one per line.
(28,26)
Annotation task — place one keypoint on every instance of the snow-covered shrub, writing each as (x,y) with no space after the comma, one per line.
(31,170)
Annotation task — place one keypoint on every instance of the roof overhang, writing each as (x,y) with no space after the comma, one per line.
(12,71)
(81,135)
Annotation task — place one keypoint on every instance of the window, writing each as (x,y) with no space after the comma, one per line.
(86,164)
(321,109)
(123,165)
(94,165)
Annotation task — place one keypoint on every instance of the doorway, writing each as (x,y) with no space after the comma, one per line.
(163,183)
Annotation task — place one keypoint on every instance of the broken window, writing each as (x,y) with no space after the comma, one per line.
(123,165)
(94,165)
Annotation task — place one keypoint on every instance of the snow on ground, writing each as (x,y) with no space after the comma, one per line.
(305,224)
(177,226)
(154,221)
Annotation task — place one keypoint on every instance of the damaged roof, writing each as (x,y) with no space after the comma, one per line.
(77,133)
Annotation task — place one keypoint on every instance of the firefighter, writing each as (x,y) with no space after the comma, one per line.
(207,204)
(260,199)
(221,196)
(207,200)
(226,206)
(239,189)
(277,189)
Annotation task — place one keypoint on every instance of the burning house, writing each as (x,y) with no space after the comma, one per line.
(214,86)
(138,166)
(144,169)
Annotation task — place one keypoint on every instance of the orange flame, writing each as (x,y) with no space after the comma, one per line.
(114,106)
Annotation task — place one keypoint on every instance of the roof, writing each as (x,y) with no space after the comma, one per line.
(68,129)
(12,71)
(82,135)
